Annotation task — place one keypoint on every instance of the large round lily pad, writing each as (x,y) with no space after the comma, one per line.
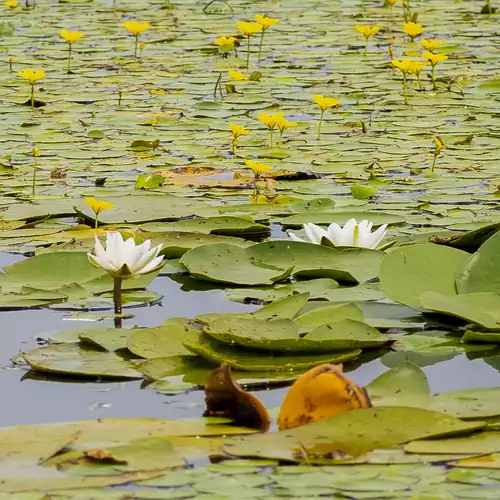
(253,360)
(231,264)
(317,261)
(409,271)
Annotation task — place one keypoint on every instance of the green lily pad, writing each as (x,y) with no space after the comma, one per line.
(231,264)
(76,361)
(409,271)
(164,340)
(317,261)
(328,314)
(403,385)
(353,433)
(481,272)
(469,404)
(252,360)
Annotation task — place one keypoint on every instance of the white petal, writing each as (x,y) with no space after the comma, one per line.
(99,249)
(151,265)
(378,236)
(140,256)
(364,234)
(348,232)
(147,257)
(293,237)
(100,262)
(315,233)
(334,234)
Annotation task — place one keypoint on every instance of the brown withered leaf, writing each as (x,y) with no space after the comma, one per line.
(224,397)
(322,392)
(103,455)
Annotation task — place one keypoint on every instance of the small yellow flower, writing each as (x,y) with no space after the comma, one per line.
(283,124)
(258,168)
(413,29)
(71,36)
(405,66)
(35,151)
(32,75)
(392,2)
(434,58)
(238,130)
(325,103)
(238,76)
(135,27)
(224,40)
(11,4)
(431,45)
(366,31)
(440,145)
(249,29)
(417,67)
(98,206)
(266,22)
(268,120)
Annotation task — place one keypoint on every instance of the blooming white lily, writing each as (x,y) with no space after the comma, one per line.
(124,259)
(353,234)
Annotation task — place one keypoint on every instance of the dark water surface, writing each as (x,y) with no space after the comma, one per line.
(27,400)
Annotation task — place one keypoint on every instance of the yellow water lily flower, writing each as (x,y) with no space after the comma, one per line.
(405,66)
(325,102)
(283,124)
(392,2)
(249,28)
(266,22)
(257,168)
(268,120)
(224,40)
(416,68)
(237,131)
(71,36)
(431,45)
(136,28)
(439,144)
(367,32)
(97,207)
(32,75)
(413,29)
(238,76)
(11,4)
(434,59)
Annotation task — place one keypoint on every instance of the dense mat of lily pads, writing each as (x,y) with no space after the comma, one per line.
(188,125)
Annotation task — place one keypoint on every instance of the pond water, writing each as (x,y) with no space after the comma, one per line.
(30,398)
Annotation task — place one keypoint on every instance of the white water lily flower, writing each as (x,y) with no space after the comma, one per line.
(124,259)
(353,234)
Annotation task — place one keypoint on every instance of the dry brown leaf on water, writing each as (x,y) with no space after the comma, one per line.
(103,455)
(322,392)
(224,397)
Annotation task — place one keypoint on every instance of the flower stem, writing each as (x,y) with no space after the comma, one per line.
(35,168)
(320,123)
(366,46)
(433,78)
(419,82)
(281,138)
(260,45)
(32,98)
(96,225)
(404,88)
(248,51)
(117,299)
(69,57)
(271,137)
(136,44)
(433,163)
(217,83)
(235,151)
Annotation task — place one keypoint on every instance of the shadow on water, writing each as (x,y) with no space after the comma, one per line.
(29,398)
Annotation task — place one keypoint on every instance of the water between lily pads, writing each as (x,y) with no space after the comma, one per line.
(28,400)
